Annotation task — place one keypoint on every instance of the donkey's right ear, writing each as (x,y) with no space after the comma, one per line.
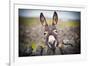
(42,19)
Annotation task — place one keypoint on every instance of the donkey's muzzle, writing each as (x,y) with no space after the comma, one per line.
(52,42)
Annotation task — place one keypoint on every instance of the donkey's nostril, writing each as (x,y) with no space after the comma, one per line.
(52,42)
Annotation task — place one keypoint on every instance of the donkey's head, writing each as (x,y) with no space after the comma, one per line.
(50,31)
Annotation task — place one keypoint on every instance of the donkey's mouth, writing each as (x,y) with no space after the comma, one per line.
(52,44)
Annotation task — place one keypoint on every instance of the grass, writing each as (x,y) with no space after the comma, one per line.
(33,45)
(36,21)
(28,21)
(69,24)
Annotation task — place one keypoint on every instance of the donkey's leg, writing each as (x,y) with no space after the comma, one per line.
(50,51)
(53,50)
(61,50)
(61,46)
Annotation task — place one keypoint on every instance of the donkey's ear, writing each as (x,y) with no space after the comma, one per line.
(55,18)
(42,19)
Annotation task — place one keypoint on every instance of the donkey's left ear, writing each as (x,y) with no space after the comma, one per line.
(55,18)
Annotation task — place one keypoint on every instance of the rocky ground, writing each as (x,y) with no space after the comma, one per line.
(32,42)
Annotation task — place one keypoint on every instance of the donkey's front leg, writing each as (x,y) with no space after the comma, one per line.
(61,46)
(50,51)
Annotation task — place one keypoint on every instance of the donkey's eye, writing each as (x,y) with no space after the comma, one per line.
(45,33)
(55,31)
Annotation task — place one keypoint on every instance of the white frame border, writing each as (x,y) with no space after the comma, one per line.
(14,60)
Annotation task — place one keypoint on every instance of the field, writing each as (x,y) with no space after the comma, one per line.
(36,21)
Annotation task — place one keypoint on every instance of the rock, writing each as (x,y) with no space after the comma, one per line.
(39,50)
(28,52)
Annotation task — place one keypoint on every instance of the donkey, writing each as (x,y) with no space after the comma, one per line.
(50,31)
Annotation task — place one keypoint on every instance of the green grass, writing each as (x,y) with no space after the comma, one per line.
(29,21)
(33,44)
(36,21)
(69,24)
